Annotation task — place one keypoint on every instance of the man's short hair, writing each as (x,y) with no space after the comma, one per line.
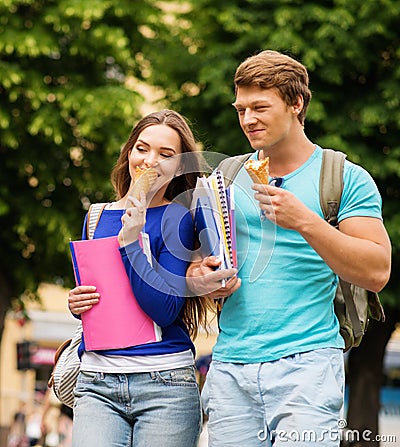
(271,69)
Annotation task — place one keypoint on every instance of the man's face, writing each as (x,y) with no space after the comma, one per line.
(264,117)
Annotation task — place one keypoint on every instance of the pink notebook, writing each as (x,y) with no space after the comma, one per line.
(117,321)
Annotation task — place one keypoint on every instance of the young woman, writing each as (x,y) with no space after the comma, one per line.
(147,395)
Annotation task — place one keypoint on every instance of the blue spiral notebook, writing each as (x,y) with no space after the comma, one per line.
(214,218)
(206,228)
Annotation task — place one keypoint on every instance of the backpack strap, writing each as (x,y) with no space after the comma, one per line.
(331,184)
(93,218)
(230,167)
(330,190)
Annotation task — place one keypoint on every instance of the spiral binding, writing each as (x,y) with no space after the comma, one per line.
(225,211)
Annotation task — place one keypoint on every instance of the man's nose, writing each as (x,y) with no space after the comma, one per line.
(249,116)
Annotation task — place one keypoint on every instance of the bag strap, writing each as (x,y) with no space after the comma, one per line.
(330,190)
(60,350)
(331,184)
(93,218)
(231,166)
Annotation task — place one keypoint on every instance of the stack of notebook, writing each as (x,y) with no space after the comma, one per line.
(214,217)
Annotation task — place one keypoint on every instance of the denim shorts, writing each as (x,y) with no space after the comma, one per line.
(296,401)
(160,408)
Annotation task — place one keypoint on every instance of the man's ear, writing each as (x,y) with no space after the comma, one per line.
(298,105)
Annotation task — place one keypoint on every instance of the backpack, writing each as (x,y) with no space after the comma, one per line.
(353,305)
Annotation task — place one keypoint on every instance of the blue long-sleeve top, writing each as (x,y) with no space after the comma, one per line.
(160,289)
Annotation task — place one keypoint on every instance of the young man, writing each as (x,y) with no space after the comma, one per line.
(277,375)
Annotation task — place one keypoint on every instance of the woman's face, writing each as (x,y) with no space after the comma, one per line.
(158,147)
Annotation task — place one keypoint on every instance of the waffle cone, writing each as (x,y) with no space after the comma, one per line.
(144,180)
(258,170)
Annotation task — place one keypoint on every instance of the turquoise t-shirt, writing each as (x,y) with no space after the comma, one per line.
(285,303)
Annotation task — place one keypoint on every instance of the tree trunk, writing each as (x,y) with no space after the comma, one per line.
(364,378)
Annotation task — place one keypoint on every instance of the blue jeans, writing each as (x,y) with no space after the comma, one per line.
(154,409)
(296,401)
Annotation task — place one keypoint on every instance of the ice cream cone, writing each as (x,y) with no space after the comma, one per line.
(258,170)
(144,180)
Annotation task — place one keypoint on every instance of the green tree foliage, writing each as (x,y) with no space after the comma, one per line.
(351,48)
(68,100)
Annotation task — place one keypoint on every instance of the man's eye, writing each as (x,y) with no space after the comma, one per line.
(240,111)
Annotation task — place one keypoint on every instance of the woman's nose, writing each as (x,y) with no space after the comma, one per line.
(150,160)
